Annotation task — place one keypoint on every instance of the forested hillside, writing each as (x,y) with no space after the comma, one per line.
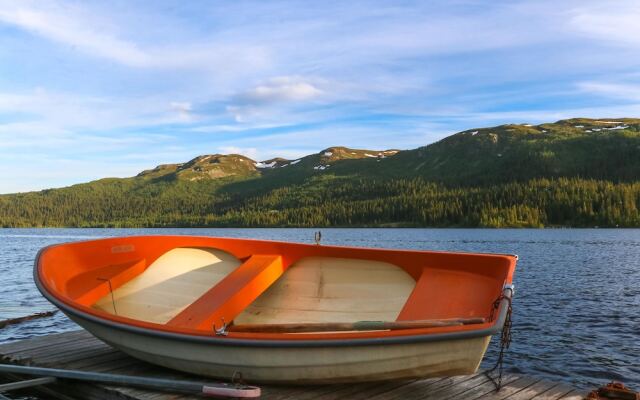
(577,172)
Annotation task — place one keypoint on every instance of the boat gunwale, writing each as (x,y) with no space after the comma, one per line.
(96,239)
(407,338)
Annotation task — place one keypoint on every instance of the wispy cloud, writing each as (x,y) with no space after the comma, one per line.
(613,23)
(68,25)
(183,108)
(627,91)
(50,112)
(76,26)
(105,80)
(274,96)
(282,89)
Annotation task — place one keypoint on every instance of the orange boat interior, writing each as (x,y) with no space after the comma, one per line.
(193,285)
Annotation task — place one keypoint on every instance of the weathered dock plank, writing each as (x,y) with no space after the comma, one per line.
(80,350)
(510,389)
(488,387)
(573,395)
(532,391)
(555,393)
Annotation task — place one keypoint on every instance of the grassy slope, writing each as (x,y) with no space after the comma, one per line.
(477,158)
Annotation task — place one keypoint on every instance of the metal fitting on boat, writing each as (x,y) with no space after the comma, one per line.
(222,331)
(511,287)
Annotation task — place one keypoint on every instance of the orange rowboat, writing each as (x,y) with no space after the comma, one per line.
(282,312)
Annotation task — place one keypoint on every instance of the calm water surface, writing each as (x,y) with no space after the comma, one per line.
(576,310)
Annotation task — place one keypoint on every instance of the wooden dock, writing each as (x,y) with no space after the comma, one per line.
(80,350)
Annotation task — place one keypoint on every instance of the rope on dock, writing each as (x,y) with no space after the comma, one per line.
(505,341)
(11,321)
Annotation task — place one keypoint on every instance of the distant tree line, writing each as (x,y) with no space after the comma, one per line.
(329,201)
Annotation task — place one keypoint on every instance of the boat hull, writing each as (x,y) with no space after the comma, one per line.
(165,300)
(299,365)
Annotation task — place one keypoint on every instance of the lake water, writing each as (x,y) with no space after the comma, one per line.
(576,309)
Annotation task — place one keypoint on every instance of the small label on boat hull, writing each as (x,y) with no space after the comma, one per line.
(125,248)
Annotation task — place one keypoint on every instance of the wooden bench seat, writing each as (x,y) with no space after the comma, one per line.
(232,295)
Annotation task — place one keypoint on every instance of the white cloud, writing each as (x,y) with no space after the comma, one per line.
(622,91)
(283,89)
(49,112)
(69,26)
(616,23)
(291,78)
(82,29)
(183,109)
(273,99)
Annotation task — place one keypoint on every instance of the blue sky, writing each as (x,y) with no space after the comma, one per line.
(98,89)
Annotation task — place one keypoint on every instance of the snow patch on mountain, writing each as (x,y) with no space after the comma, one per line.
(263,165)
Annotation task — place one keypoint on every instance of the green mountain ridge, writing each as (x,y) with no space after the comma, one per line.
(214,166)
(575,172)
